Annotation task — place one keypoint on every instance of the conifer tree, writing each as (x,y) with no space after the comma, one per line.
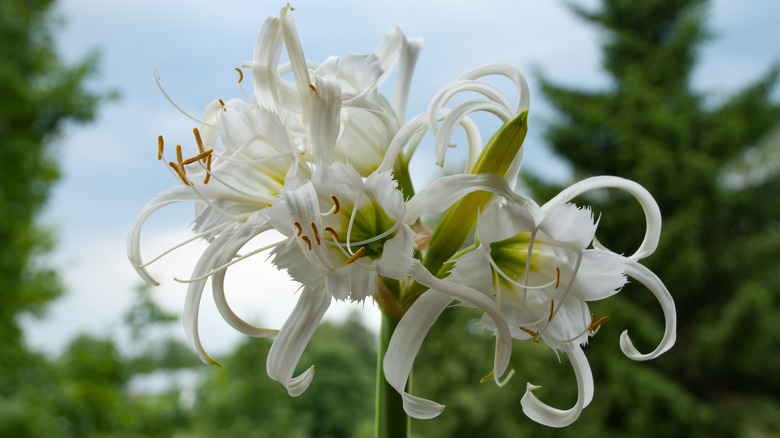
(720,248)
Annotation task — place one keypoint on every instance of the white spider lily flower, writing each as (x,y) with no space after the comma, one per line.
(245,150)
(533,263)
(342,232)
(334,109)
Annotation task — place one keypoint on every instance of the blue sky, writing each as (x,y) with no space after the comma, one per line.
(110,167)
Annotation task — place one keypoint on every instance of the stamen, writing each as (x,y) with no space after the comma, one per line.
(316,234)
(179,172)
(312,88)
(596,324)
(298,227)
(222,102)
(198,140)
(356,255)
(332,233)
(335,202)
(178,158)
(240,75)
(592,320)
(208,170)
(306,239)
(552,306)
(201,156)
(159,147)
(557,277)
(530,332)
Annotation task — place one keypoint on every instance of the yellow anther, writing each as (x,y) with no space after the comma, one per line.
(312,88)
(198,140)
(178,159)
(298,227)
(201,156)
(316,234)
(356,255)
(222,102)
(240,75)
(182,177)
(552,306)
(306,239)
(557,277)
(596,324)
(335,203)
(208,168)
(592,320)
(332,233)
(530,332)
(159,147)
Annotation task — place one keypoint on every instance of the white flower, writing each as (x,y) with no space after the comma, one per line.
(342,232)
(246,151)
(533,262)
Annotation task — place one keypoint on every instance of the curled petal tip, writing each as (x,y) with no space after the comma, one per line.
(299,384)
(508,377)
(531,387)
(488,378)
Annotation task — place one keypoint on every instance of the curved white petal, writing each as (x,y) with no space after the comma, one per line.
(656,286)
(601,275)
(649,206)
(206,263)
(218,291)
(445,94)
(445,191)
(294,50)
(569,224)
(166,197)
(455,117)
(293,338)
(324,116)
(478,299)
(549,416)
(508,71)
(404,345)
(410,50)
(268,49)
(397,254)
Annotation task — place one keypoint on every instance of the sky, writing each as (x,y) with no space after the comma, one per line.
(110,169)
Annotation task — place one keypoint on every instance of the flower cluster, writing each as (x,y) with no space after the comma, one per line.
(323,160)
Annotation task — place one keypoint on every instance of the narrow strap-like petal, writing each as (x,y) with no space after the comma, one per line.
(506,70)
(444,192)
(656,286)
(404,345)
(324,116)
(166,197)
(650,207)
(478,299)
(268,49)
(218,290)
(293,338)
(410,50)
(542,413)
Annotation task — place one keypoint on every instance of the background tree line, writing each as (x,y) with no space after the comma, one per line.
(711,165)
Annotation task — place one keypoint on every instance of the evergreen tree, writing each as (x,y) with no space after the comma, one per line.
(719,254)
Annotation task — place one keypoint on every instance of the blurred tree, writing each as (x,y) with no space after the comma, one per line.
(38,95)
(720,248)
(240,400)
(706,161)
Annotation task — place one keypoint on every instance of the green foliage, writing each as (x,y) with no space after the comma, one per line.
(240,400)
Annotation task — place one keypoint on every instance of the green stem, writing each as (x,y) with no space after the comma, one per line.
(391,420)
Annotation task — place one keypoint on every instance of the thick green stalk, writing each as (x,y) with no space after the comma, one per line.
(391,420)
